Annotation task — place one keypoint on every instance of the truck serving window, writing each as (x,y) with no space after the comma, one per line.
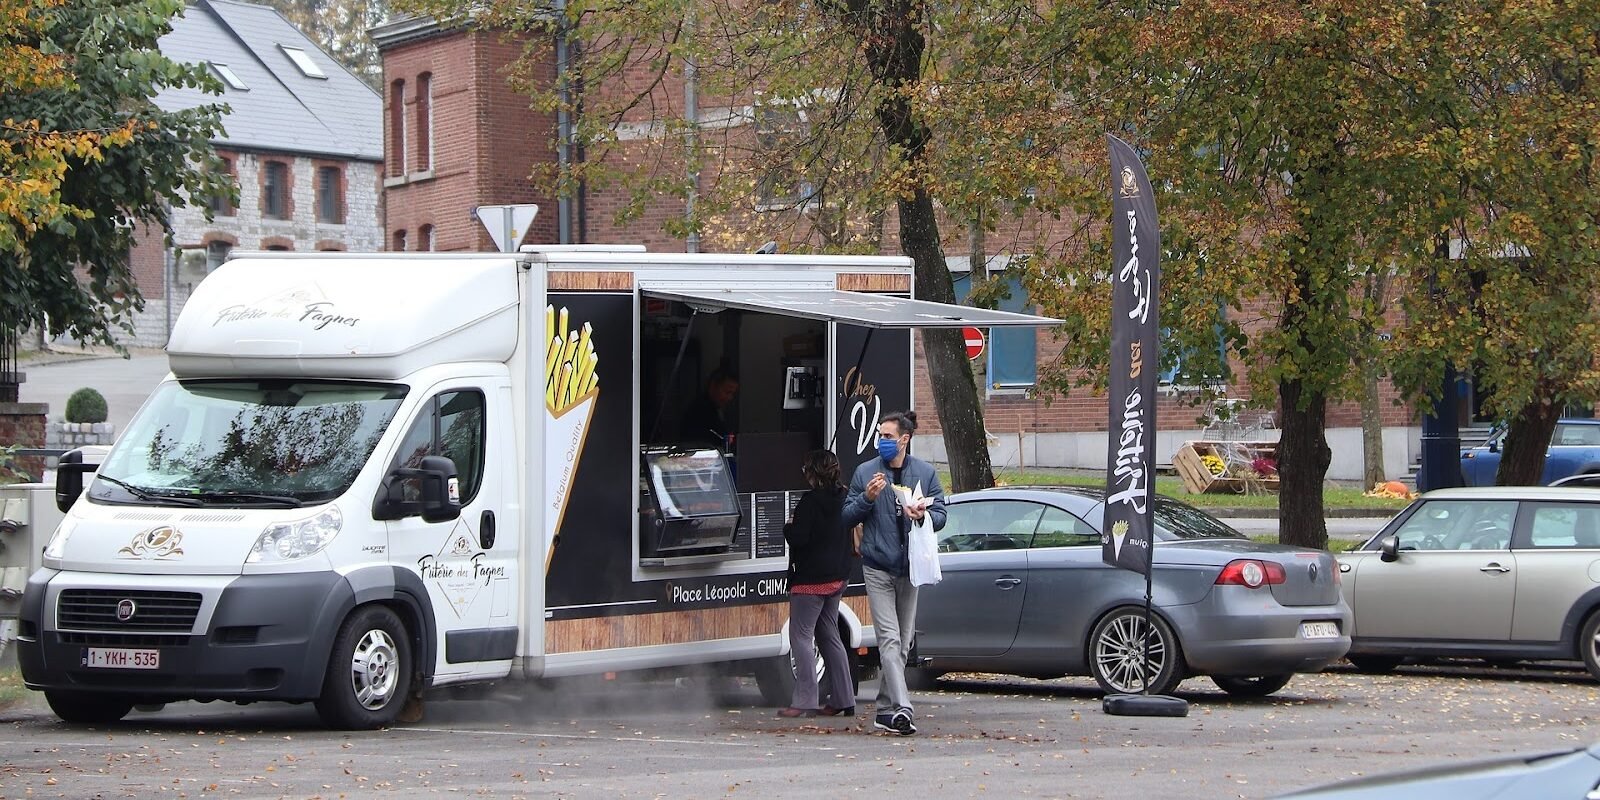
(247,442)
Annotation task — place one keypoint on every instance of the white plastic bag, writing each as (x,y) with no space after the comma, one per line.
(922,544)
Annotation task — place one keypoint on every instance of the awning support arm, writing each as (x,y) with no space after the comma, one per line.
(672,377)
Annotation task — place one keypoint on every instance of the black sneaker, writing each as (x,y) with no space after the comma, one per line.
(901,724)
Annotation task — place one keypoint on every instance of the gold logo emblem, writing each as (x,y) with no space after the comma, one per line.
(1130,184)
(156,543)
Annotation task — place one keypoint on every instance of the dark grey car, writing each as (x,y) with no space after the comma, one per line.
(1025,592)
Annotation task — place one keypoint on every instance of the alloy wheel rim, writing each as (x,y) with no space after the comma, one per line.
(1117,653)
(374,670)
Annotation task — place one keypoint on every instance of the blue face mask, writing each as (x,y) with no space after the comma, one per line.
(888,449)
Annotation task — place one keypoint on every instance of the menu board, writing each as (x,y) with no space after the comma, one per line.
(743,538)
(771,511)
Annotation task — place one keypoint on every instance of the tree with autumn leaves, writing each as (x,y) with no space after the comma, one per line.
(86,157)
(1311,159)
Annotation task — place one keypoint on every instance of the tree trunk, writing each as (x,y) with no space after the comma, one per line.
(1372,472)
(893,44)
(1303,459)
(956,394)
(1526,443)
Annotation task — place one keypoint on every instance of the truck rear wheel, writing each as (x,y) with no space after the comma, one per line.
(85,708)
(369,671)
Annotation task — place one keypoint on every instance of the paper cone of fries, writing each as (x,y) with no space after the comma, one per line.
(571,389)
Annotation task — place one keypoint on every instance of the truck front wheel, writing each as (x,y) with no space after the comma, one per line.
(85,708)
(369,671)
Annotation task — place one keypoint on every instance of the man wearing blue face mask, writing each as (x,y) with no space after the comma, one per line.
(886,522)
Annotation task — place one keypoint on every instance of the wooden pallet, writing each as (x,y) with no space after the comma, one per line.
(1199,480)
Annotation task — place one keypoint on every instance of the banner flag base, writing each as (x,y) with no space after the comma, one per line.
(1144,705)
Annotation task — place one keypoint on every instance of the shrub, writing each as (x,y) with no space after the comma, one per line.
(86,405)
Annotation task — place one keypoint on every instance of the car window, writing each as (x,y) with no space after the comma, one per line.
(1564,525)
(1180,521)
(988,525)
(1058,528)
(1578,435)
(1459,525)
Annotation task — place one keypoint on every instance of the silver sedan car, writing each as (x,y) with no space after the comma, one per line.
(1025,592)
(1500,573)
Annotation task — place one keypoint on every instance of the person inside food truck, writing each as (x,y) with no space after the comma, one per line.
(703,422)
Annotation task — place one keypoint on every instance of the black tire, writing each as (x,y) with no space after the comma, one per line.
(369,671)
(1114,649)
(922,679)
(1589,644)
(1253,685)
(1375,665)
(85,708)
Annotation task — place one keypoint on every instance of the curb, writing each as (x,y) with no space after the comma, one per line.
(1272,513)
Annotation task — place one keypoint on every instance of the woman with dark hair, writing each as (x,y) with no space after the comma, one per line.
(820,550)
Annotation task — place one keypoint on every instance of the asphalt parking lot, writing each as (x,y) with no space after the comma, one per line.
(981,736)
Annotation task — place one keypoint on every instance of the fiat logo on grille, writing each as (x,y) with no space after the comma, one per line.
(125,610)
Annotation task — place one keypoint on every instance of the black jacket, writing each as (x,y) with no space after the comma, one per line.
(819,543)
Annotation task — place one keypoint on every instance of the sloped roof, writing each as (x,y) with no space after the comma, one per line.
(282,109)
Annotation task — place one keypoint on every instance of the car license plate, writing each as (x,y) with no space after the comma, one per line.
(1319,630)
(121,658)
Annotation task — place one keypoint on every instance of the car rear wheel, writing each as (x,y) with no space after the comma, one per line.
(86,708)
(1589,644)
(1374,665)
(1253,685)
(1114,654)
(922,679)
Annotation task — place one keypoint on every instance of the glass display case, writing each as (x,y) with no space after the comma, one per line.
(688,503)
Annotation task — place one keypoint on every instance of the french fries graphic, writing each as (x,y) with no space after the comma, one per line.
(571,390)
(569,363)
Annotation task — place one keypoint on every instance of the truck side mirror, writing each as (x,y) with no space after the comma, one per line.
(430,491)
(1389,548)
(69,478)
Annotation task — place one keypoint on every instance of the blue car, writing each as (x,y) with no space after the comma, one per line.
(1574,450)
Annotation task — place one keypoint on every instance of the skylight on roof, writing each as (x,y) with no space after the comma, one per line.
(229,77)
(302,59)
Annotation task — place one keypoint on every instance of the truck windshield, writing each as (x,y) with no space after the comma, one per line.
(279,442)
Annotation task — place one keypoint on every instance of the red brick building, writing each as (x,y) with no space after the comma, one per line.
(458,135)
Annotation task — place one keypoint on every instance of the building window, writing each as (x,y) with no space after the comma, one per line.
(424,134)
(277,248)
(1010,362)
(397,128)
(303,60)
(221,203)
(229,77)
(399,244)
(425,239)
(330,195)
(216,253)
(275,190)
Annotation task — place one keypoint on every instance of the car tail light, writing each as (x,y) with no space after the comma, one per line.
(1251,573)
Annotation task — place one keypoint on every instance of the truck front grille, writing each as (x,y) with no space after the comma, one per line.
(96,610)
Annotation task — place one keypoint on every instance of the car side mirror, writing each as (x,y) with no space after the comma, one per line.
(1494,447)
(430,490)
(69,478)
(1389,548)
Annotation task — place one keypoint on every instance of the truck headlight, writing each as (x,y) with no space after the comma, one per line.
(287,541)
(58,543)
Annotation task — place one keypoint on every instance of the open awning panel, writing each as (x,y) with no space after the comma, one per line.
(855,308)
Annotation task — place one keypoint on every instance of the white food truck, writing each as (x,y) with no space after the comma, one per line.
(374,475)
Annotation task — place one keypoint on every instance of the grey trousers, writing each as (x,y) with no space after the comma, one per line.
(815,618)
(893,602)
